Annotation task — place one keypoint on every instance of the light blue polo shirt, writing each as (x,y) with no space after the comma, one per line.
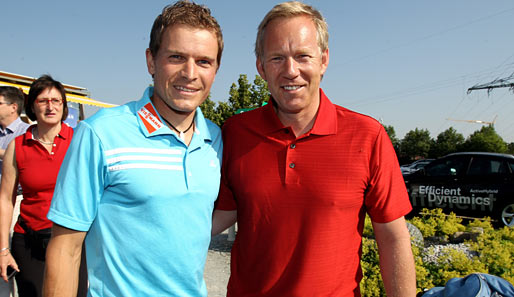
(144,198)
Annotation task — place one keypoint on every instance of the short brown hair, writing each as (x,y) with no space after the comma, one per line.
(185,13)
(13,95)
(288,10)
(37,87)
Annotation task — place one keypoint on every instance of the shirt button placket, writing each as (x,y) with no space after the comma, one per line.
(292,146)
(291,174)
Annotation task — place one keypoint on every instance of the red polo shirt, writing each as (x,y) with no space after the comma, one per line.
(301,201)
(37,172)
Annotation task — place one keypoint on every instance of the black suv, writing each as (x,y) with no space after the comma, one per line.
(468,184)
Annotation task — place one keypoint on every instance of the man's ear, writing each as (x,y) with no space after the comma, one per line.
(324,61)
(150,64)
(15,107)
(260,68)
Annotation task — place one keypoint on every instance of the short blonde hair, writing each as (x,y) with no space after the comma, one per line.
(288,10)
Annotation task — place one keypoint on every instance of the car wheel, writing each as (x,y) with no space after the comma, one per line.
(507,215)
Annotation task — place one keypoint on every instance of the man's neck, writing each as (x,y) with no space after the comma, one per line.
(179,122)
(301,122)
(4,123)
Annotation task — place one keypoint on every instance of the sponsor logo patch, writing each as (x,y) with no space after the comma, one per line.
(149,117)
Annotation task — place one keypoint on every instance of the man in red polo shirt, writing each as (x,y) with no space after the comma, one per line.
(301,173)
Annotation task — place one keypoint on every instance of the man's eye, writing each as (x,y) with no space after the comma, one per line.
(304,57)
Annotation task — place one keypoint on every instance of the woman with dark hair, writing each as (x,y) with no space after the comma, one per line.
(33,160)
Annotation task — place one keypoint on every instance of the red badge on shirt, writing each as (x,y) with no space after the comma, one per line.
(149,117)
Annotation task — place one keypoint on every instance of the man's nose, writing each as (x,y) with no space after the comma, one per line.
(291,67)
(189,70)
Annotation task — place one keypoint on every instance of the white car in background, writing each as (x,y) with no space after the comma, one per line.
(415,166)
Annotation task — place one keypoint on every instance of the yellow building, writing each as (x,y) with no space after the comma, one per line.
(76,96)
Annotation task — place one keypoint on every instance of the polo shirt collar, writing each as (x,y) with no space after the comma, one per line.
(152,124)
(66,131)
(325,123)
(326,118)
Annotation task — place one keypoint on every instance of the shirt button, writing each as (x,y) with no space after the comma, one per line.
(55,144)
(291,165)
(293,146)
(286,131)
(51,153)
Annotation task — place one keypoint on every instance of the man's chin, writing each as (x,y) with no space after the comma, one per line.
(181,106)
(181,109)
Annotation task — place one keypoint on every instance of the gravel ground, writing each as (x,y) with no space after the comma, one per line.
(217,267)
(433,252)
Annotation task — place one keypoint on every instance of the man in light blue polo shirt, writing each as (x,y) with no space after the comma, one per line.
(11,105)
(139,181)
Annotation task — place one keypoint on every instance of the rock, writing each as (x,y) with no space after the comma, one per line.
(415,235)
(459,237)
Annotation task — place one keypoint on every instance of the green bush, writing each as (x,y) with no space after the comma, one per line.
(371,284)
(451,264)
(433,222)
(494,253)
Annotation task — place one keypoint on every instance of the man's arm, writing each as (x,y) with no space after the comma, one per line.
(63,262)
(396,259)
(222,219)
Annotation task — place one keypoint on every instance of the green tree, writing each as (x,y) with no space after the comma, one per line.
(416,144)
(259,92)
(447,142)
(392,135)
(394,140)
(242,95)
(510,148)
(208,108)
(485,140)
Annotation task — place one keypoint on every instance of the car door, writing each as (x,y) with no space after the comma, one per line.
(487,185)
(437,185)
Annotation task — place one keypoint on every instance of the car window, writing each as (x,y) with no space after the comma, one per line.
(511,165)
(447,167)
(486,166)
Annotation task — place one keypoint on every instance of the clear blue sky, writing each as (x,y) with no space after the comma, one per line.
(406,63)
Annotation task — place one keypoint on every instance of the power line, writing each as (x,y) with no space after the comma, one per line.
(421,89)
(507,82)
